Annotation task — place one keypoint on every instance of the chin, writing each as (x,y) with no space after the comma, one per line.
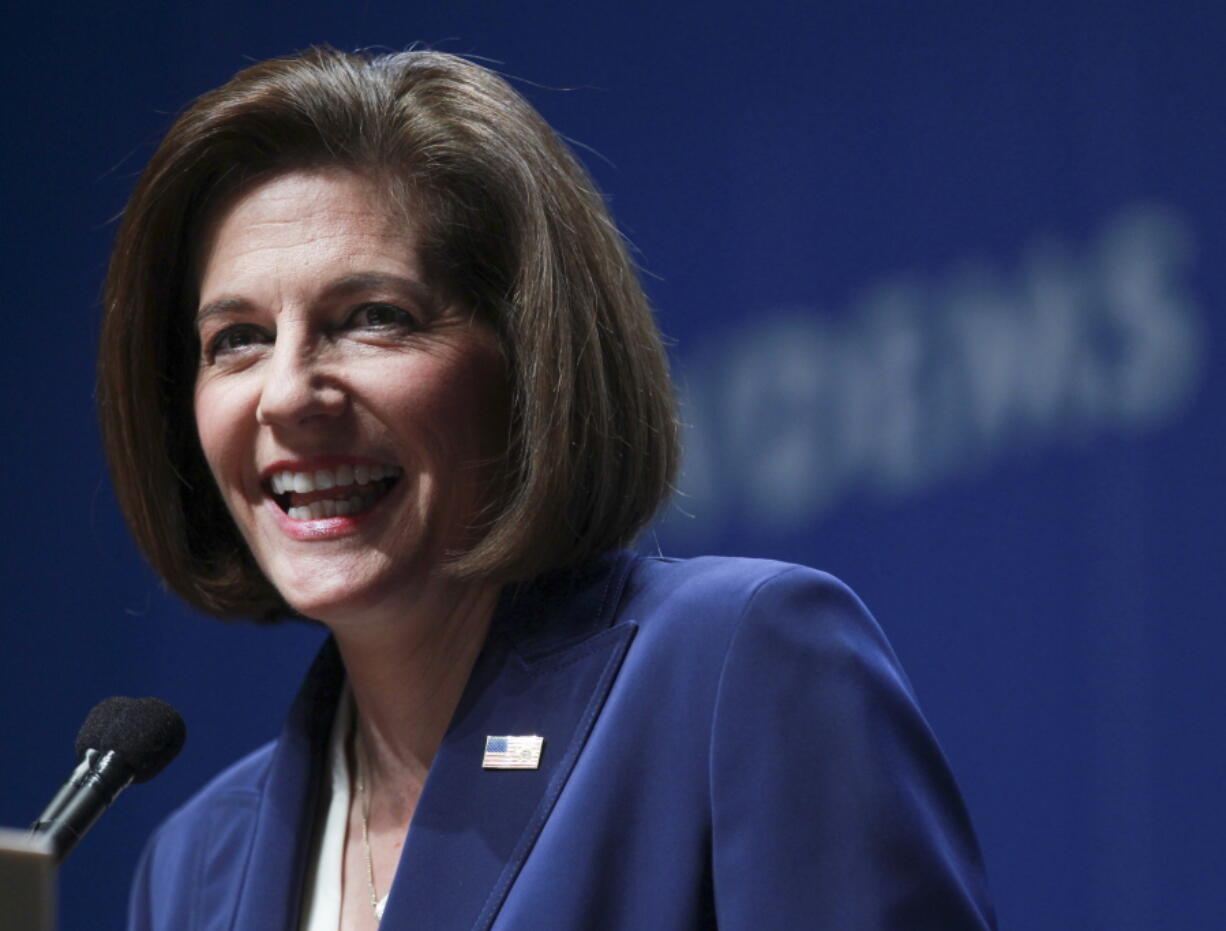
(340,590)
(323,598)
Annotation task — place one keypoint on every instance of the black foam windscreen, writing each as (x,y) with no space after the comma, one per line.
(146,733)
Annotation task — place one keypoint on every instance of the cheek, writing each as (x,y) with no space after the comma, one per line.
(468,408)
(451,415)
(219,427)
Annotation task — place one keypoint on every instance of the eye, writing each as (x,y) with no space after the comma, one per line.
(235,338)
(380,316)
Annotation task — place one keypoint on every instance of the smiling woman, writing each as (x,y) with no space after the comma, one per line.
(352,419)
(375,355)
(506,226)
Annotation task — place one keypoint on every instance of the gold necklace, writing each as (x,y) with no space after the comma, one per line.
(375,905)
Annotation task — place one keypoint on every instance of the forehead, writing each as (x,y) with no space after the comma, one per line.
(302,220)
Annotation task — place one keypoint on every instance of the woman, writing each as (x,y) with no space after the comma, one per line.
(374,355)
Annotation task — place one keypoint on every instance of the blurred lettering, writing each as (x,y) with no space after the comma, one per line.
(920,382)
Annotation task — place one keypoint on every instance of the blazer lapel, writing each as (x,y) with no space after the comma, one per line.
(285,822)
(545,670)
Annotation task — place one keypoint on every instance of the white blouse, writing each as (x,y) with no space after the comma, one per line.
(321,904)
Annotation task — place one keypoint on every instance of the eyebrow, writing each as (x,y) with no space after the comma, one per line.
(346,285)
(378,281)
(223,305)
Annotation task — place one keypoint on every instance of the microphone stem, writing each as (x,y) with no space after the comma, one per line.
(67,791)
(95,783)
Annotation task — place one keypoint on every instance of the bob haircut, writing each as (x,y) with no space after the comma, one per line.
(511,226)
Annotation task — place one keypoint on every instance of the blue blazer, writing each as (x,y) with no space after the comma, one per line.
(728,743)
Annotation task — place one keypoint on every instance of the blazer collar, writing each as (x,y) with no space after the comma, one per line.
(546,668)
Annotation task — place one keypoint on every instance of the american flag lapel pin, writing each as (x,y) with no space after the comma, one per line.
(512,752)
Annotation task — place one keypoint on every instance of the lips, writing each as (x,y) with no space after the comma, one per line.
(335,490)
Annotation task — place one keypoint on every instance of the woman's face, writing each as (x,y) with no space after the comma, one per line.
(348,414)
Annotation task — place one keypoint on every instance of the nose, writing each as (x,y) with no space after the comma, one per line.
(297,390)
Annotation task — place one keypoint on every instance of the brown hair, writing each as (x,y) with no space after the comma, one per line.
(513,226)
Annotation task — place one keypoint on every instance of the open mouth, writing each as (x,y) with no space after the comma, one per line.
(342,491)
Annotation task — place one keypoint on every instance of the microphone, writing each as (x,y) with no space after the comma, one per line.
(123,740)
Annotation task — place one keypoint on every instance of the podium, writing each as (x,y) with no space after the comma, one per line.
(27,882)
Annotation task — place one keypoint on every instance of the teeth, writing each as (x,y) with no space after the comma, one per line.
(323,479)
(331,507)
(322,509)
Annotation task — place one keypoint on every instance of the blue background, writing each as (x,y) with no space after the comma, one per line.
(941,282)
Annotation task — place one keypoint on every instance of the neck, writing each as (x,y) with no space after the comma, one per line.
(407,672)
